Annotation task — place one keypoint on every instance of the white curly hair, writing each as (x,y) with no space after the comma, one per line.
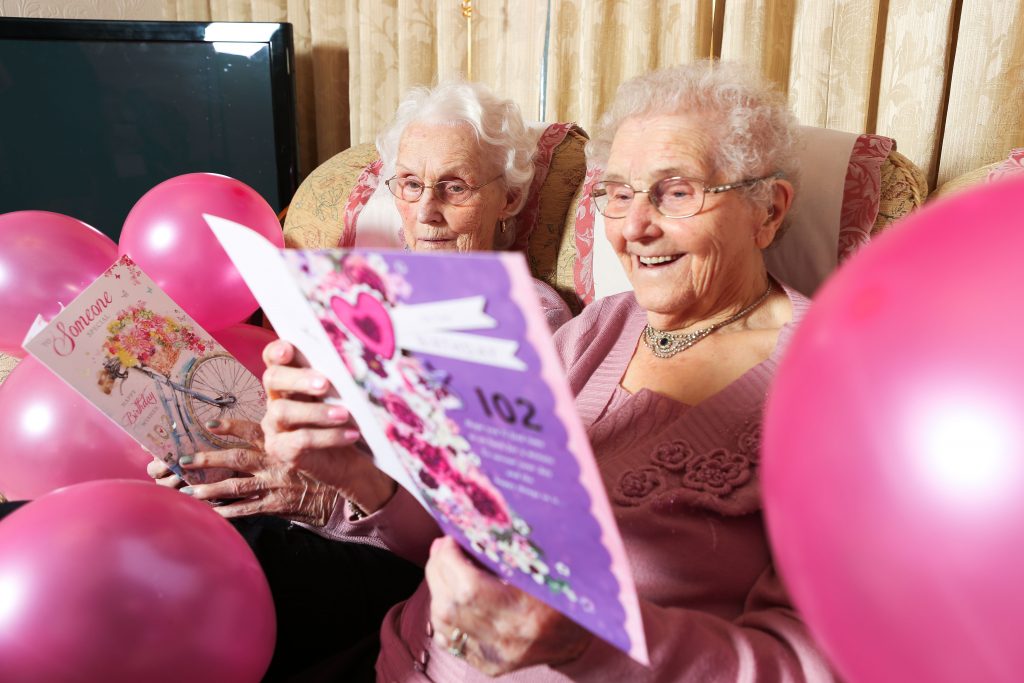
(506,142)
(755,132)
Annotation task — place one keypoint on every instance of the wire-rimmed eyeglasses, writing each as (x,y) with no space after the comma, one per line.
(452,192)
(674,197)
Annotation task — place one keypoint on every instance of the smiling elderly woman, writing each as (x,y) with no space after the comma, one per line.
(670,381)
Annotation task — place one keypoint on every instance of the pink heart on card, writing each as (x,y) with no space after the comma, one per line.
(369,321)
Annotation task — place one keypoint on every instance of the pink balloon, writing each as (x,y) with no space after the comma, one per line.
(46,259)
(53,437)
(246,342)
(128,581)
(894,450)
(165,234)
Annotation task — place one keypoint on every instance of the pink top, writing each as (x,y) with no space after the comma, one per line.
(683,486)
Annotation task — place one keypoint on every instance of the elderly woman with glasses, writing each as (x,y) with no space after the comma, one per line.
(670,379)
(459,162)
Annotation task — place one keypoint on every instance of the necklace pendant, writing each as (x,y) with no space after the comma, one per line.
(667,344)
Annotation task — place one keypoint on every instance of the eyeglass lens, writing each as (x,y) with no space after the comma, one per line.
(676,197)
(450,191)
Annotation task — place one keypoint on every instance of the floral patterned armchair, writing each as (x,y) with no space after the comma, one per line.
(341,203)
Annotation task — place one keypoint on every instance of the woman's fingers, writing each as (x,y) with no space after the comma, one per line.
(171,481)
(227,489)
(245,460)
(283,380)
(285,415)
(292,445)
(244,508)
(248,431)
(157,469)
(163,476)
(278,352)
(505,629)
(452,568)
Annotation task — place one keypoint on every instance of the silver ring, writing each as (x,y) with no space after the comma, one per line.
(457,643)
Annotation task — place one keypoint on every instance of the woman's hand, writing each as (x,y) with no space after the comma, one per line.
(504,628)
(255,485)
(261,486)
(306,435)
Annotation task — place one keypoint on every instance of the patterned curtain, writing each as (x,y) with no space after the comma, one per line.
(945,78)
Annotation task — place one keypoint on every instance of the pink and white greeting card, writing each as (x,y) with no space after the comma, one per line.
(127,348)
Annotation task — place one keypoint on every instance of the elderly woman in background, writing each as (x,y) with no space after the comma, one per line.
(670,381)
(459,161)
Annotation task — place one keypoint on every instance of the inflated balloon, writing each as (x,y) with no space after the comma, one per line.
(246,342)
(165,234)
(53,437)
(46,259)
(129,581)
(893,468)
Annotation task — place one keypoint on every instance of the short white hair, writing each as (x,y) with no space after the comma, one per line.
(505,140)
(754,131)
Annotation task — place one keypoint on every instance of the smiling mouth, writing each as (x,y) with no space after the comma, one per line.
(650,261)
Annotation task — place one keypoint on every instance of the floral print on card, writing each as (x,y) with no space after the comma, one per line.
(353,295)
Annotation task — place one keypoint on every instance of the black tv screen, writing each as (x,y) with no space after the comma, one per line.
(95,113)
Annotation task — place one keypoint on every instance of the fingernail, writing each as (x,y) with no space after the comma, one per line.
(337,414)
(212,424)
(187,490)
(279,354)
(187,459)
(318,384)
(352,434)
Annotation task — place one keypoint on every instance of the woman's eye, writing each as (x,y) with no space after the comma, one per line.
(412,184)
(678,190)
(455,188)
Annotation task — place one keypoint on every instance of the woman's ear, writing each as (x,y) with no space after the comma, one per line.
(781,201)
(511,199)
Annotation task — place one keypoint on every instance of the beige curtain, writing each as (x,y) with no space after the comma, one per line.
(945,78)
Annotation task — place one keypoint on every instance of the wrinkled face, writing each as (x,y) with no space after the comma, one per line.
(681,266)
(430,153)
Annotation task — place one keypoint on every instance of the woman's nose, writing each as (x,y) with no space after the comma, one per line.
(429,207)
(641,220)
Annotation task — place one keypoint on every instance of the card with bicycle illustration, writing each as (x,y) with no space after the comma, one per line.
(132,352)
(447,365)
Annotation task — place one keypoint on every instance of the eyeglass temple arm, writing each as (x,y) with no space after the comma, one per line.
(743,183)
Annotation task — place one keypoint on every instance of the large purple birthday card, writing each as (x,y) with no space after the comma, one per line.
(447,365)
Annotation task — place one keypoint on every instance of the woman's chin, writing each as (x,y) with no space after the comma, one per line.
(436,245)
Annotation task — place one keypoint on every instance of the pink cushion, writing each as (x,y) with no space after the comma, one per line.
(1014,165)
(824,228)
(862,192)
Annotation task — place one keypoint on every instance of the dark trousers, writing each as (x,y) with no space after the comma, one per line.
(330,598)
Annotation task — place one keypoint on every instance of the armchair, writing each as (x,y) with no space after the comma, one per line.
(868,185)
(853,187)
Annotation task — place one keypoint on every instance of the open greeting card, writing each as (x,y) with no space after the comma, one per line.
(132,352)
(447,365)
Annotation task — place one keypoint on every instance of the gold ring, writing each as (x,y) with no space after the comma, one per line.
(457,643)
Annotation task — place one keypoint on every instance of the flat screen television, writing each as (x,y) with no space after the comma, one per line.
(95,113)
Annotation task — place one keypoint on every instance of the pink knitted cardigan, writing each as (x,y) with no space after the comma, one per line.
(684,488)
